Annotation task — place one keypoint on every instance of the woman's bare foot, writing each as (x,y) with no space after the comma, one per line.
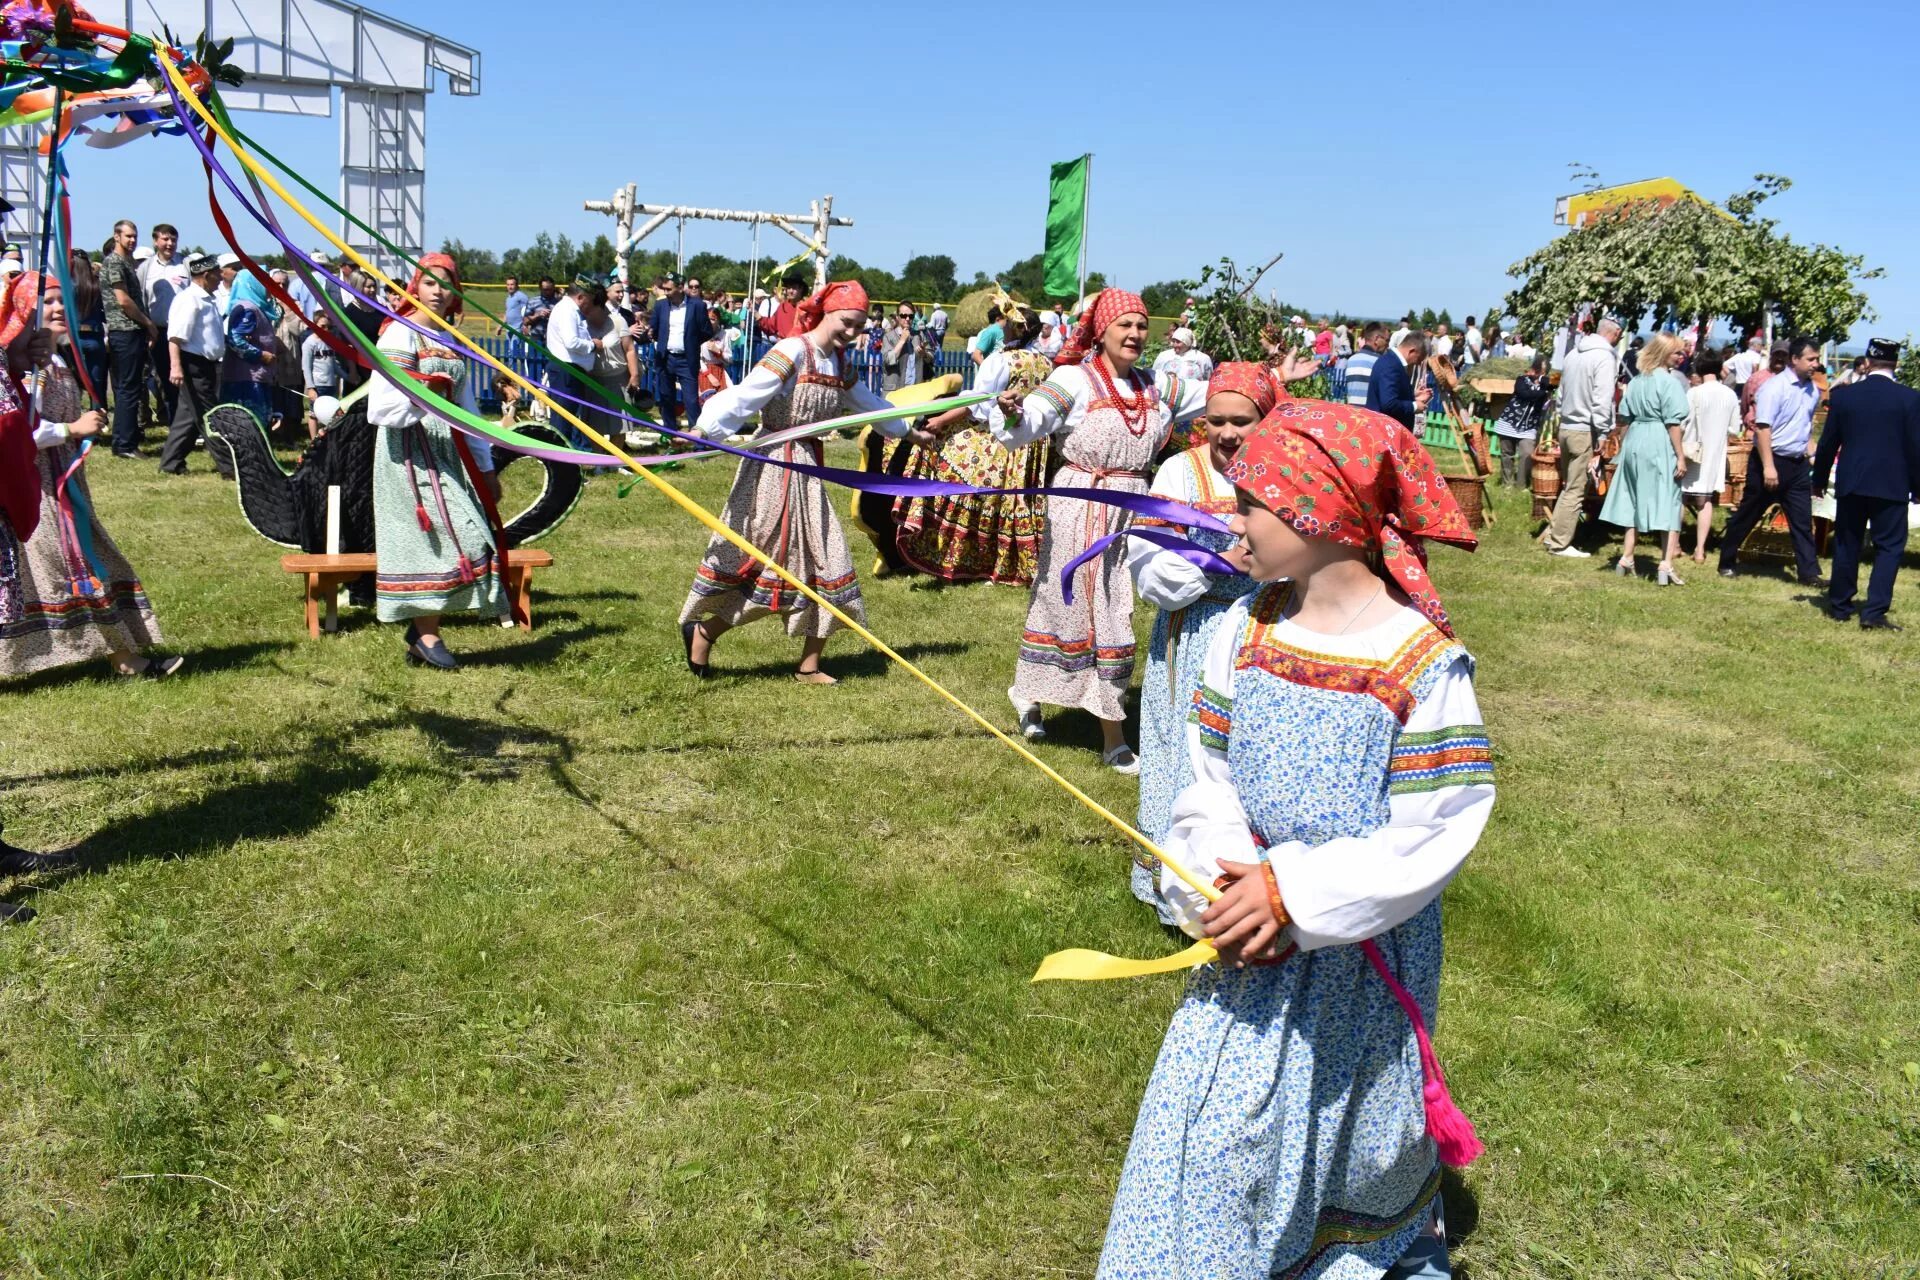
(815,676)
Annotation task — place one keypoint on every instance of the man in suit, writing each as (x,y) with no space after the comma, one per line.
(681,326)
(1391,389)
(1874,425)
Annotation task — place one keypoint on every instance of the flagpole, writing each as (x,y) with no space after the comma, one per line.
(1086,198)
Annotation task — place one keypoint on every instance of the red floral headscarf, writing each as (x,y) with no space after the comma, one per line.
(1108,305)
(842,295)
(1254,381)
(17,306)
(442,266)
(1360,479)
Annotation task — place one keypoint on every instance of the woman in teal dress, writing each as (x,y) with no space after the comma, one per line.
(1645,494)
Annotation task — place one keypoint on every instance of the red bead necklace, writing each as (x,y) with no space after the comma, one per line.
(1130,411)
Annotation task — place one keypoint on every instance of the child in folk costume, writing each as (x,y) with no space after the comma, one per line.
(1342,775)
(801,380)
(1112,422)
(1191,601)
(433,542)
(67,594)
(995,537)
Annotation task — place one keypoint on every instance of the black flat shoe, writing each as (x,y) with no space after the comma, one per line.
(14,913)
(700,669)
(1881,624)
(19,862)
(437,657)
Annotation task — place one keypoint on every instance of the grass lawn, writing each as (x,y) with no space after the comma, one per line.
(565,965)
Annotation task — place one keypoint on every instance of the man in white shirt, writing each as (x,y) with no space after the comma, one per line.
(1182,360)
(1398,337)
(937,327)
(228,265)
(1744,365)
(570,342)
(196,344)
(1473,345)
(161,277)
(1587,384)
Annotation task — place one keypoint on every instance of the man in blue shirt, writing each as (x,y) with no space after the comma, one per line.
(1359,369)
(517,304)
(1782,439)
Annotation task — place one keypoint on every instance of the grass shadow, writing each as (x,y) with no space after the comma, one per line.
(206,661)
(866,664)
(548,646)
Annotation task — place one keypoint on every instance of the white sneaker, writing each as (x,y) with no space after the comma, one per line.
(1029,717)
(1121,759)
(1572,553)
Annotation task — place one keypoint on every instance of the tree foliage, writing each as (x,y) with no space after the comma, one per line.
(1690,261)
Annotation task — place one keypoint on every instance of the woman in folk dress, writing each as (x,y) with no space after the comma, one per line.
(1297,1119)
(67,594)
(802,380)
(1190,601)
(433,543)
(975,537)
(1111,421)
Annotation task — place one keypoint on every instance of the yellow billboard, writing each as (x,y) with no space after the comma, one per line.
(1583,207)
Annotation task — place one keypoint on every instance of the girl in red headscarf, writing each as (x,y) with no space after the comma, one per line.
(432,541)
(67,594)
(1111,421)
(801,380)
(1297,1120)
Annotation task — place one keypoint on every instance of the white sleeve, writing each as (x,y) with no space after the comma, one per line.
(49,434)
(1185,398)
(1046,410)
(387,405)
(1440,793)
(1206,367)
(1209,825)
(727,412)
(991,377)
(867,400)
(1162,577)
(180,314)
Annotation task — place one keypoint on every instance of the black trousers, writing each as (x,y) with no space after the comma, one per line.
(679,389)
(1795,496)
(1852,517)
(127,349)
(199,393)
(169,394)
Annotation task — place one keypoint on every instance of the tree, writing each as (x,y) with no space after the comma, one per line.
(477,266)
(1166,297)
(930,276)
(1428,319)
(1689,261)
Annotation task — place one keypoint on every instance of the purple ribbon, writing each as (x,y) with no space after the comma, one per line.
(867,482)
(1186,548)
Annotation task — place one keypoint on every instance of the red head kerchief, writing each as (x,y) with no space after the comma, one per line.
(1108,305)
(1360,479)
(442,266)
(841,295)
(1254,381)
(17,306)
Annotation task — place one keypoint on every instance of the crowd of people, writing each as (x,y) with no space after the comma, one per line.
(1311,758)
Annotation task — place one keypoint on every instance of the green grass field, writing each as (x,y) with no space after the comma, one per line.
(567,966)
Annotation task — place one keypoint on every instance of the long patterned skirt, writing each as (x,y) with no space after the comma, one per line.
(1166,695)
(790,516)
(971,538)
(449,567)
(50,615)
(1080,654)
(1284,1130)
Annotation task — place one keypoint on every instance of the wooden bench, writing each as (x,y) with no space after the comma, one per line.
(327,574)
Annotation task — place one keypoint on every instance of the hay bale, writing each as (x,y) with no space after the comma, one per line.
(970,316)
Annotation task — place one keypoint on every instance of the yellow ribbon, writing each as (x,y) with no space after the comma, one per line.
(714,525)
(1076,965)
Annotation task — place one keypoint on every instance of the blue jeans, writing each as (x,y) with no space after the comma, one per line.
(679,389)
(128,351)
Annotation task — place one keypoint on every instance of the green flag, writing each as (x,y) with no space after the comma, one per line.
(1066,226)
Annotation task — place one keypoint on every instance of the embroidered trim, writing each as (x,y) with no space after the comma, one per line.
(1391,682)
(1056,395)
(1336,1227)
(1046,649)
(777,362)
(1456,756)
(1213,713)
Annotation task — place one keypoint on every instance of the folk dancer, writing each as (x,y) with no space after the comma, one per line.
(1296,1121)
(801,380)
(1111,422)
(433,543)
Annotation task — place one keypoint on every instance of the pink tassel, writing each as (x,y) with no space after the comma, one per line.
(420,514)
(1447,1124)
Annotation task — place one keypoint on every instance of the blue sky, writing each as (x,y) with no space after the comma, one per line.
(1400,158)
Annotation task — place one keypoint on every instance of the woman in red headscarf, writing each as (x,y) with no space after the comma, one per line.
(1111,421)
(432,541)
(67,594)
(1342,774)
(801,380)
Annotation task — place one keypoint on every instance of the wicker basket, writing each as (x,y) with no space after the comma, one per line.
(1737,454)
(1546,481)
(1597,490)
(1471,493)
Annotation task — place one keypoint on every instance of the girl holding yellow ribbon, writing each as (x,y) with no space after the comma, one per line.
(1296,1121)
